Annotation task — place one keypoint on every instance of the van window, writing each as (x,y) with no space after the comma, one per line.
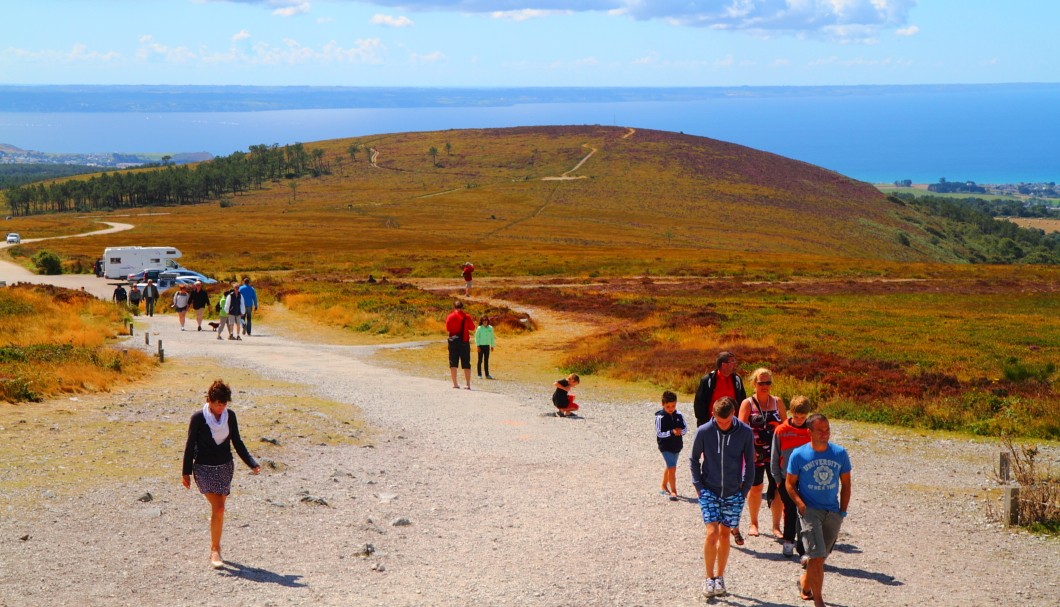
(115,260)
(155,260)
(173,252)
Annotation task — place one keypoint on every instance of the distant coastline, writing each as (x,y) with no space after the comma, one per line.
(230,98)
(996,134)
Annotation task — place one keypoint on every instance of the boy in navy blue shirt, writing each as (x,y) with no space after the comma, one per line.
(669,427)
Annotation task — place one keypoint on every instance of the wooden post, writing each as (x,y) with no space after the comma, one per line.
(147,338)
(161,352)
(130,328)
(1011,506)
(1004,467)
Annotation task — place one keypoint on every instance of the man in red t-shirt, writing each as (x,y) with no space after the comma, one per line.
(722,381)
(466,270)
(459,326)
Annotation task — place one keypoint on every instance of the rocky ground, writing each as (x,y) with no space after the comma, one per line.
(451,497)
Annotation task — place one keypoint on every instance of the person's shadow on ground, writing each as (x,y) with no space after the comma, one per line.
(255,574)
(776,555)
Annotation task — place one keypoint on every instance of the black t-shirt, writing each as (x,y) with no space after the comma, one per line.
(559,397)
(119,294)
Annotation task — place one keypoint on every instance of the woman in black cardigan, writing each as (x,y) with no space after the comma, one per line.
(212,433)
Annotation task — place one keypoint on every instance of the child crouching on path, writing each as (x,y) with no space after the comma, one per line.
(562,398)
(669,427)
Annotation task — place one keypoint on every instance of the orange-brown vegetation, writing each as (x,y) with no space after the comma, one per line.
(676,246)
(54,341)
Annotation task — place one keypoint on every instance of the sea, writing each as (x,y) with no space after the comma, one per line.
(987,134)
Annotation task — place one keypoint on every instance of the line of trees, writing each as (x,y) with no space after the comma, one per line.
(171,185)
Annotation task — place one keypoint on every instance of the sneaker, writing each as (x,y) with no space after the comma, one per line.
(218,337)
(199,329)
(789,549)
(708,587)
(719,587)
(489,377)
(803,560)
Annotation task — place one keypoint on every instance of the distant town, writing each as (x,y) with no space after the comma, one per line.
(10,154)
(1019,190)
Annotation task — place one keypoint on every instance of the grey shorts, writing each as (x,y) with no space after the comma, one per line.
(820,529)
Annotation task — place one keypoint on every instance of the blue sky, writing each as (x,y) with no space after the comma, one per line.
(486,43)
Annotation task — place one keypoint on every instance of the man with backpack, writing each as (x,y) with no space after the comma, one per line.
(459,326)
(722,381)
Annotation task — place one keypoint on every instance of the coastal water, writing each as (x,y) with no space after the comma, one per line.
(999,135)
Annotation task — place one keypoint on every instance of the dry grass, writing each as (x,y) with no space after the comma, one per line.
(82,434)
(54,341)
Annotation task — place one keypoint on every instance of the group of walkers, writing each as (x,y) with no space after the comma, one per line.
(740,443)
(235,307)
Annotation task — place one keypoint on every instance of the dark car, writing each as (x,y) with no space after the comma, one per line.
(144,276)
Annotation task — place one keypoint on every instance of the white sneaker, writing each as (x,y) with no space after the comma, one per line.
(803,560)
(789,549)
(708,587)
(719,587)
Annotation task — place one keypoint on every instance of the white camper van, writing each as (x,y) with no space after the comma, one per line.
(119,262)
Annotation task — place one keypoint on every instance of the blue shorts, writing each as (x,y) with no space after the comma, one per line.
(670,457)
(725,511)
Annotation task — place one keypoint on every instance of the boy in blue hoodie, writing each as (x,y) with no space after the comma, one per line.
(721,452)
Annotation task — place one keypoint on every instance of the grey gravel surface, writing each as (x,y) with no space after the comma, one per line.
(481,498)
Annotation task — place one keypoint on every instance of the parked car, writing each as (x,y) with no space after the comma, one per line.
(13,238)
(190,274)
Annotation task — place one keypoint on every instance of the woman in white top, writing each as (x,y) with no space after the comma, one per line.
(181,299)
(763,412)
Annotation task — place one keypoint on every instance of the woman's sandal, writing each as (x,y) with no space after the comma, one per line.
(737,537)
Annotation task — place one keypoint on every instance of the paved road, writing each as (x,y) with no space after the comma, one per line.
(11,273)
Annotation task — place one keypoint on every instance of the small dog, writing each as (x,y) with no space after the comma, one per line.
(213,325)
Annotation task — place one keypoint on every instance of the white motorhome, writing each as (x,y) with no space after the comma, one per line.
(119,262)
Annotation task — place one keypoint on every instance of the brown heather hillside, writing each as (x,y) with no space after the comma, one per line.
(640,193)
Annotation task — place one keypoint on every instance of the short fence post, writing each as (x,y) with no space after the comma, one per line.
(1011,506)
(161,352)
(1004,467)
(147,338)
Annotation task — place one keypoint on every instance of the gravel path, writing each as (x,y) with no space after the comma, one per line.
(480,498)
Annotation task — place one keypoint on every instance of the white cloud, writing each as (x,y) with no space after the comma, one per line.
(325,20)
(151,50)
(648,59)
(391,21)
(527,13)
(242,35)
(912,30)
(434,57)
(819,17)
(78,52)
(290,9)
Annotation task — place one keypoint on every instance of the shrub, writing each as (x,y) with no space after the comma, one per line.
(47,263)
(1016,371)
(1039,499)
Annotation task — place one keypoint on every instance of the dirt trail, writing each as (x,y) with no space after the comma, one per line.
(470,498)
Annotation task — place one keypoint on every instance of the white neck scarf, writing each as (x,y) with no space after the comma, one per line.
(218,427)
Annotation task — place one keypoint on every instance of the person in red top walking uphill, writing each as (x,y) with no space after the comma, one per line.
(721,382)
(459,326)
(788,436)
(466,270)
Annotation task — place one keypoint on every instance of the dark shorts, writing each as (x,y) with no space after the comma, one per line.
(182,308)
(761,474)
(460,354)
(214,479)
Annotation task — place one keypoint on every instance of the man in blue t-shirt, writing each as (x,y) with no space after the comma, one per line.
(818,481)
